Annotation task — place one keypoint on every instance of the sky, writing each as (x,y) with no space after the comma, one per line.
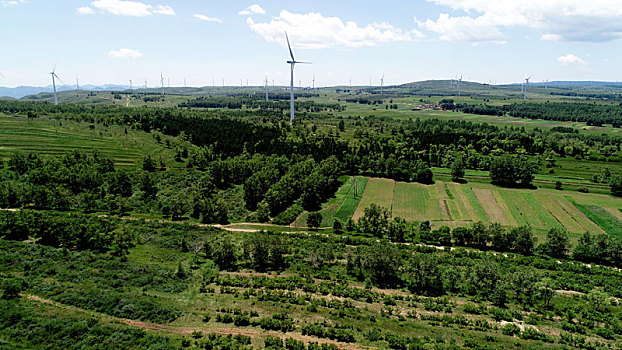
(205,41)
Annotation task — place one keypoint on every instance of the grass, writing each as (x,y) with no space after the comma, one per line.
(609,223)
(51,137)
(351,200)
(378,191)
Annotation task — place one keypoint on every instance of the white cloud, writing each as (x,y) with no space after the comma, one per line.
(252,10)
(12,2)
(124,53)
(206,18)
(556,20)
(314,31)
(132,8)
(85,10)
(163,10)
(570,59)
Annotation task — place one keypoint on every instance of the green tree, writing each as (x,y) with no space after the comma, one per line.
(524,240)
(148,164)
(457,169)
(397,230)
(375,220)
(616,186)
(314,220)
(557,243)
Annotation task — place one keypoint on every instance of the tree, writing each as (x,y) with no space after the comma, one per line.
(337,225)
(507,170)
(314,220)
(382,261)
(525,240)
(616,186)
(223,254)
(397,230)
(557,244)
(545,291)
(597,298)
(457,169)
(375,220)
(148,164)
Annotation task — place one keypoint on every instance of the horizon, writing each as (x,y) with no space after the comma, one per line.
(201,42)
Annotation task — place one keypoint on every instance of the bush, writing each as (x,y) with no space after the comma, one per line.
(510,329)
(273,343)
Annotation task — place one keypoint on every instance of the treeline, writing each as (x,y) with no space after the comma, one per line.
(602,249)
(259,103)
(589,113)
(70,231)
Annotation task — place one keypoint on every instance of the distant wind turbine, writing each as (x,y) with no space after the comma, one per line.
(55,76)
(162,83)
(314,82)
(382,85)
(77,84)
(130,85)
(292,63)
(266,85)
(460,85)
(526,87)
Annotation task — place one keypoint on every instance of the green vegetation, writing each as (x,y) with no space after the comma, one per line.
(204,220)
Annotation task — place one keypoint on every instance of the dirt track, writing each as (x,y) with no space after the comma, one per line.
(220,329)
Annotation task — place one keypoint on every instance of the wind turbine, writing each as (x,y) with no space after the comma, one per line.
(130,86)
(382,85)
(77,84)
(53,73)
(162,83)
(526,87)
(292,63)
(313,81)
(266,85)
(460,85)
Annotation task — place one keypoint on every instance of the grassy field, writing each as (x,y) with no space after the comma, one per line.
(452,204)
(342,205)
(50,137)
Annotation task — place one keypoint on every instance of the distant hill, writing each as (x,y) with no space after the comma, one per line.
(21,91)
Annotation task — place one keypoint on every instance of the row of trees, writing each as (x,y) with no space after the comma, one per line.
(603,249)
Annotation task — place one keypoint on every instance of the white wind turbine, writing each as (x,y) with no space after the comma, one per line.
(162,83)
(55,76)
(460,85)
(526,87)
(292,63)
(266,86)
(382,85)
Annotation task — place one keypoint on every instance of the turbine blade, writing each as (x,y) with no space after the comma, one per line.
(290,48)
(303,62)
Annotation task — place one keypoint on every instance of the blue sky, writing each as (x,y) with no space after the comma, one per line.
(112,41)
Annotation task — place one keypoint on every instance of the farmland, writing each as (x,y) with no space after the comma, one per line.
(454,205)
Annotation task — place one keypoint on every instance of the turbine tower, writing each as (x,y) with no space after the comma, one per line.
(77,84)
(460,85)
(130,86)
(292,63)
(162,83)
(382,85)
(266,85)
(314,82)
(54,76)
(526,87)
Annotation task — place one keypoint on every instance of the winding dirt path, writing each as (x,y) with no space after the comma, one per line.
(221,330)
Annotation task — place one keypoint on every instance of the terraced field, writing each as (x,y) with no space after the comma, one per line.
(452,204)
(50,137)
